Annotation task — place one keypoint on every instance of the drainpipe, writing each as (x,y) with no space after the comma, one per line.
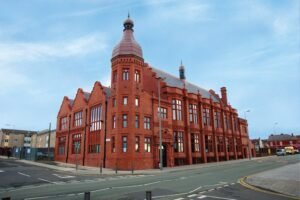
(67,157)
(105,130)
(84,137)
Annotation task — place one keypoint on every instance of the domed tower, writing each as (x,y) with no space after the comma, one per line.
(126,88)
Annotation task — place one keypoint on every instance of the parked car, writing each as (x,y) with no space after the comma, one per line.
(289,150)
(280,152)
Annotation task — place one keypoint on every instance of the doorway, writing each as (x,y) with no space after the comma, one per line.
(164,155)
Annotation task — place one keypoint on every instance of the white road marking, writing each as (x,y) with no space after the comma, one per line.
(179,199)
(232,183)
(192,195)
(63,176)
(23,174)
(1,171)
(219,187)
(214,197)
(46,180)
(195,189)
(226,185)
(211,190)
(202,197)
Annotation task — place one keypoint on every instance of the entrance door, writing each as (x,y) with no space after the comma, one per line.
(164,155)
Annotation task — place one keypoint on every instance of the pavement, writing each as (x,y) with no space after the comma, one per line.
(285,180)
(86,170)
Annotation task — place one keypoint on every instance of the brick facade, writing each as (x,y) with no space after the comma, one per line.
(197,125)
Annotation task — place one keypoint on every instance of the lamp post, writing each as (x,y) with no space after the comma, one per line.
(159,121)
(245,112)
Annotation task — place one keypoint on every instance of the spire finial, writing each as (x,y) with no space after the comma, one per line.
(181,71)
(128,15)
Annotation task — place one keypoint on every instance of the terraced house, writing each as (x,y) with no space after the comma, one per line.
(119,126)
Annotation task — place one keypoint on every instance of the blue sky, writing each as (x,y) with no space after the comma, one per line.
(50,48)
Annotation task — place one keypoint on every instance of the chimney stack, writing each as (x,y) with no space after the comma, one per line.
(224,95)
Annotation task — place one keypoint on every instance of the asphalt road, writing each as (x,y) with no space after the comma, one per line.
(214,182)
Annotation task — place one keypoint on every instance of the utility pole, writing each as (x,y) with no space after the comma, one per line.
(159,121)
(49,135)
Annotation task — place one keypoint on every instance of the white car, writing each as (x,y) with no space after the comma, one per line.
(280,152)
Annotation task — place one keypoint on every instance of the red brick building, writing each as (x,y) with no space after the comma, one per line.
(118,126)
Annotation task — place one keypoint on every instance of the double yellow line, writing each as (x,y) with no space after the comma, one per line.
(251,187)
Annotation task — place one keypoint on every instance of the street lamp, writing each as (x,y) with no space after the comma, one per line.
(159,120)
(245,112)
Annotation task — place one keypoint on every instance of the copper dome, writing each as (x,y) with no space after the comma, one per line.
(128,45)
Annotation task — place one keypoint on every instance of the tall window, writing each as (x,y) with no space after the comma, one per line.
(206,117)
(178,141)
(115,76)
(163,112)
(220,144)
(114,121)
(125,74)
(217,117)
(114,101)
(125,121)
(147,121)
(94,148)
(137,121)
(96,118)
(125,101)
(195,142)
(147,144)
(76,141)
(137,76)
(137,101)
(124,144)
(63,123)
(235,124)
(193,113)
(61,145)
(176,109)
(226,124)
(208,144)
(229,143)
(113,144)
(78,119)
(137,143)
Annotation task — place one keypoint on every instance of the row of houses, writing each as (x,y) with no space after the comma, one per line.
(275,141)
(27,144)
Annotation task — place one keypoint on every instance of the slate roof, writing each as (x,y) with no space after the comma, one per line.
(281,137)
(71,102)
(16,131)
(107,91)
(86,95)
(174,81)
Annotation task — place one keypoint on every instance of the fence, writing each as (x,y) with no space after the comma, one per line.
(33,153)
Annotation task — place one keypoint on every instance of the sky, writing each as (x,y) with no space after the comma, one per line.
(50,48)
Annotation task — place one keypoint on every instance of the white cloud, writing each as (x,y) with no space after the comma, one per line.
(30,51)
(191,11)
(9,78)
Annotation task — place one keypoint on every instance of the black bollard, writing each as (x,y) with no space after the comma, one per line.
(87,196)
(148,195)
